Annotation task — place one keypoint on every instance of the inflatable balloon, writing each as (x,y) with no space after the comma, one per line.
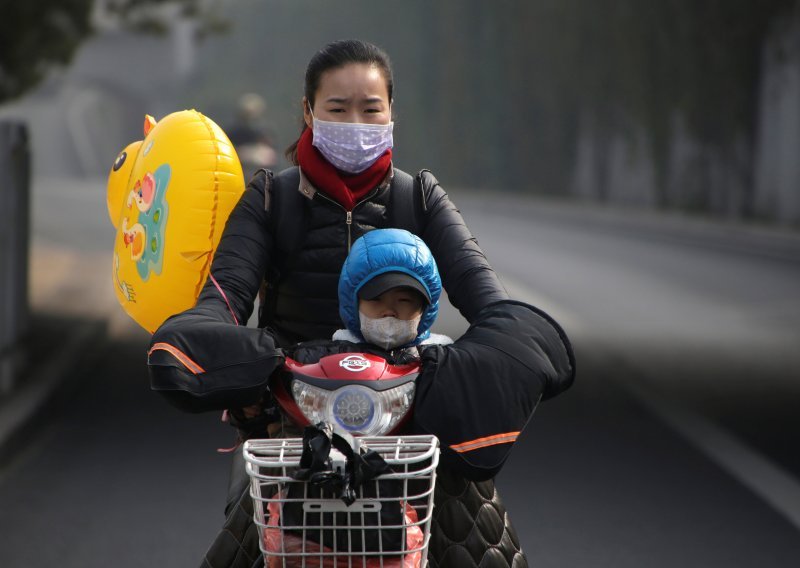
(169,197)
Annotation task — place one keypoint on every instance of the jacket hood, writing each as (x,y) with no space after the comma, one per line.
(388,250)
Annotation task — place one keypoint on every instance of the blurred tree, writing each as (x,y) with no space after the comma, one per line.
(38,35)
(35,36)
(154,16)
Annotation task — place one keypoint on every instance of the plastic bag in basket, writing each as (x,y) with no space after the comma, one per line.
(286,543)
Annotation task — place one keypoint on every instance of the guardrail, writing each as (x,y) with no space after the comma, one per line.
(15,167)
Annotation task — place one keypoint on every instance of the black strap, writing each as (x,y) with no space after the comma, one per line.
(408,201)
(287,213)
(316,467)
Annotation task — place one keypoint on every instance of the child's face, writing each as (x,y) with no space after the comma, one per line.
(400,303)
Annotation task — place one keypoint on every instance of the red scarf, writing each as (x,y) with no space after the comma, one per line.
(344,188)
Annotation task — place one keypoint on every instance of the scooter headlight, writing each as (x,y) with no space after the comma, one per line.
(355,409)
(311,400)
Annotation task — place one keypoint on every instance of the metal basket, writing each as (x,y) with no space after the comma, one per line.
(327,520)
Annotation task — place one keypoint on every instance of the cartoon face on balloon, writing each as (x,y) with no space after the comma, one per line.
(143,192)
(145,210)
(144,221)
(169,196)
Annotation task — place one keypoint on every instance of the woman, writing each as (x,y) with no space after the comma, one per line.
(344,186)
(293,231)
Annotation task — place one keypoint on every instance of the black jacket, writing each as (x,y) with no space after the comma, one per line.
(286,232)
(511,355)
(476,395)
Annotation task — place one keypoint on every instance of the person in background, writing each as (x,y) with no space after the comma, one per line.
(250,136)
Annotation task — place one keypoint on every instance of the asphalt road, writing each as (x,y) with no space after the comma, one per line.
(698,323)
(686,338)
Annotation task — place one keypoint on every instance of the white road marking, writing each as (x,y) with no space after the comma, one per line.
(762,476)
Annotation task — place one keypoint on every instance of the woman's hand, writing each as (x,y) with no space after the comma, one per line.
(253,410)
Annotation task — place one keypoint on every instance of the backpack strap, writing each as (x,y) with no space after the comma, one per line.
(287,214)
(408,202)
(284,204)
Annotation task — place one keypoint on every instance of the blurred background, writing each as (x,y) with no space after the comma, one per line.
(629,167)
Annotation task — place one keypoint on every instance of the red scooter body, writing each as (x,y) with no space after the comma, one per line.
(336,375)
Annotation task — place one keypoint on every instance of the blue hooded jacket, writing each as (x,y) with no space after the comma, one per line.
(388,250)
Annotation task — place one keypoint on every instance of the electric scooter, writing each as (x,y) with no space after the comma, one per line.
(353,491)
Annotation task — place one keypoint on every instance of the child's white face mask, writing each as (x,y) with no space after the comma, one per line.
(389,333)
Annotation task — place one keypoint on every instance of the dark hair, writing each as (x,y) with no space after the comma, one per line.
(333,56)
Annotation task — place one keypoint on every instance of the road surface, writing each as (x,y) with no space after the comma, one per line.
(675,447)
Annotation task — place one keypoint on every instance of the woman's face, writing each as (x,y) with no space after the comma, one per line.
(400,303)
(354,93)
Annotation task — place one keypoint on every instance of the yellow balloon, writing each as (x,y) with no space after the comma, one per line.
(169,197)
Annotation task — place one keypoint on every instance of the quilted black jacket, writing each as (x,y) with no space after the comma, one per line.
(522,350)
(297,238)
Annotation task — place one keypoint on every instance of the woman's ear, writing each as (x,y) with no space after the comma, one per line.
(307,116)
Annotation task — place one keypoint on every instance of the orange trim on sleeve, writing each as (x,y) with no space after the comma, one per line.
(485,442)
(179,355)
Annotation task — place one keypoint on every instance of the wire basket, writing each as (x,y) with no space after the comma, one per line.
(387,526)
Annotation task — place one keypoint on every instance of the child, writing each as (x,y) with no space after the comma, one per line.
(389,292)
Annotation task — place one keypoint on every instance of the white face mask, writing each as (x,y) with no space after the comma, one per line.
(350,146)
(389,333)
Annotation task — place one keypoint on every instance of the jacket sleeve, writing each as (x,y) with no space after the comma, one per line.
(199,363)
(477,394)
(242,256)
(203,359)
(469,280)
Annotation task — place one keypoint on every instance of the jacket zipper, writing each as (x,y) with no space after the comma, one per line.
(348,219)
(349,222)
